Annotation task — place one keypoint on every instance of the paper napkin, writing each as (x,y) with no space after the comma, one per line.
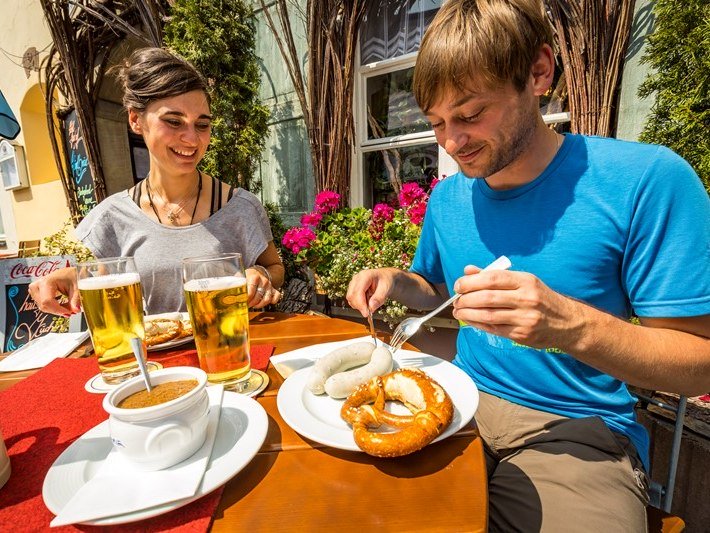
(119,487)
(287,363)
(41,350)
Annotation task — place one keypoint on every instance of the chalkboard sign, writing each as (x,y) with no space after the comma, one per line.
(20,319)
(79,164)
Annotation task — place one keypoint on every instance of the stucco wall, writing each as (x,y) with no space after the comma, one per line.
(40,209)
(632,109)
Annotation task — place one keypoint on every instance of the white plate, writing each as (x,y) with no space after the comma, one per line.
(318,417)
(241,432)
(170,344)
(175,342)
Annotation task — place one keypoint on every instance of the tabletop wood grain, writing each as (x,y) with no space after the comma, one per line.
(295,484)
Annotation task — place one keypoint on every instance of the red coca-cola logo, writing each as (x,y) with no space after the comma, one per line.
(36,271)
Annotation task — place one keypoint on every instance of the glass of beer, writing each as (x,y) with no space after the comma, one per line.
(216,294)
(112,301)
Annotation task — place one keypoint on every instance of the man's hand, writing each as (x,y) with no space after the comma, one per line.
(62,282)
(369,289)
(519,306)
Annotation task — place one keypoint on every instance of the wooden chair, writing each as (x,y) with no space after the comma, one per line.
(658,514)
(27,248)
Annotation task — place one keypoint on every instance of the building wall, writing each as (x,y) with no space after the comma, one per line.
(633,110)
(40,209)
(285,170)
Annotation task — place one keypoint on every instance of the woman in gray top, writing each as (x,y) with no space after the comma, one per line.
(176,211)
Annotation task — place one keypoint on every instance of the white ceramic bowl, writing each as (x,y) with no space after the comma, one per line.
(162,435)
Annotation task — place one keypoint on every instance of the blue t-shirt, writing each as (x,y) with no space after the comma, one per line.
(622,226)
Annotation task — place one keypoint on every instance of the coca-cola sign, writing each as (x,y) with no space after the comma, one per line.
(20,271)
(29,269)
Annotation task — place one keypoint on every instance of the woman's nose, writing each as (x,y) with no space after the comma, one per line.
(190,135)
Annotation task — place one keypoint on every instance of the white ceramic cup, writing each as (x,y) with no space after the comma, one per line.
(4,463)
(162,435)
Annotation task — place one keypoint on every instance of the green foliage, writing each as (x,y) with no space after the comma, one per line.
(63,243)
(345,244)
(278,228)
(218,37)
(679,54)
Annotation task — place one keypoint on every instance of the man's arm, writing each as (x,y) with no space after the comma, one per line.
(671,354)
(370,289)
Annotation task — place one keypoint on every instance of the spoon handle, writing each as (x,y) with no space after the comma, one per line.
(137,345)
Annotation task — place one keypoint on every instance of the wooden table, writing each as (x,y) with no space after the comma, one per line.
(294,484)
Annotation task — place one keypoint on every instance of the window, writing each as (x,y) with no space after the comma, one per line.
(393,141)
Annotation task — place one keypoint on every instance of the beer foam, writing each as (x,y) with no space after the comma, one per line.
(109,281)
(214,284)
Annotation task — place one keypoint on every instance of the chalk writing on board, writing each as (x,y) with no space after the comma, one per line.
(79,164)
(25,320)
(20,318)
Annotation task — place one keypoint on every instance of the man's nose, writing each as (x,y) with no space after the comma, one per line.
(455,140)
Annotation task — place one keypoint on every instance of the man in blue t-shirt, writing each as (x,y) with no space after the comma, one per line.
(597,230)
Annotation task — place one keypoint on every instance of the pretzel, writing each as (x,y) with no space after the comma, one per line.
(186,330)
(160,330)
(430,406)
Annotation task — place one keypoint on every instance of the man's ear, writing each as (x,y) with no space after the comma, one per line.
(542,71)
(134,121)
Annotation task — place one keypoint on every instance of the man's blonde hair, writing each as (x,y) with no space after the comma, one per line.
(479,44)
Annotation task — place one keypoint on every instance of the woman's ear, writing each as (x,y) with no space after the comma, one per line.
(134,121)
(542,71)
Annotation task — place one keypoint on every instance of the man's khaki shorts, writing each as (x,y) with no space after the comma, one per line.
(556,474)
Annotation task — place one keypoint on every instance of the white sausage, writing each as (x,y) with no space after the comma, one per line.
(343,384)
(355,354)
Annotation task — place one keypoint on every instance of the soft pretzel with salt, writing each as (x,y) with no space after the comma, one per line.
(430,406)
(160,330)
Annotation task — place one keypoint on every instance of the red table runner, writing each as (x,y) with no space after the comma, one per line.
(45,413)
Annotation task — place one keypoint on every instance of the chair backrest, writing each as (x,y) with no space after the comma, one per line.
(27,248)
(661,494)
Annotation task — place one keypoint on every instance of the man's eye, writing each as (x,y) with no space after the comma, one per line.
(203,127)
(472,118)
(437,125)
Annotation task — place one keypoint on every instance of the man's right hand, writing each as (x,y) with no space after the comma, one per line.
(62,282)
(369,289)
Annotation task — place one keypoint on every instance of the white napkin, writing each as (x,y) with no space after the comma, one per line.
(42,350)
(119,487)
(287,363)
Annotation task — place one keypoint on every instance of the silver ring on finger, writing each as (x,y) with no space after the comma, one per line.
(260,291)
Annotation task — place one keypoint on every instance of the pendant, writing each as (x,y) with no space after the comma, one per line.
(173,218)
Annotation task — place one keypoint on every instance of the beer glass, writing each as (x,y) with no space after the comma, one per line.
(112,301)
(216,294)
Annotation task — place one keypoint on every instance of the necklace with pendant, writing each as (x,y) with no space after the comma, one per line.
(173,215)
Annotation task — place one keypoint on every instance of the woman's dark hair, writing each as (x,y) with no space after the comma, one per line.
(151,74)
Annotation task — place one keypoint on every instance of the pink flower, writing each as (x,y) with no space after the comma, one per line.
(434,183)
(297,239)
(410,193)
(416,212)
(311,219)
(327,201)
(383,212)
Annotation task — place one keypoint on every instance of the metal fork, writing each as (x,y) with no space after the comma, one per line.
(409,326)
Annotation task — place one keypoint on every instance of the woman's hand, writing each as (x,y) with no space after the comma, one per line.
(260,291)
(62,282)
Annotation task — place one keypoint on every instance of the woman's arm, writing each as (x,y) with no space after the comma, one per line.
(44,292)
(265,278)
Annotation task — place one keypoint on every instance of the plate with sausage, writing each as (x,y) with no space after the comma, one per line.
(318,416)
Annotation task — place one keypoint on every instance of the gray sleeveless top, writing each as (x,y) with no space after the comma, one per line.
(118,227)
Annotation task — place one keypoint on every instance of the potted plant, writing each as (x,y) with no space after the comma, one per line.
(337,242)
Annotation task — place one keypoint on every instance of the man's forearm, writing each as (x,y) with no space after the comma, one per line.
(414,291)
(659,358)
